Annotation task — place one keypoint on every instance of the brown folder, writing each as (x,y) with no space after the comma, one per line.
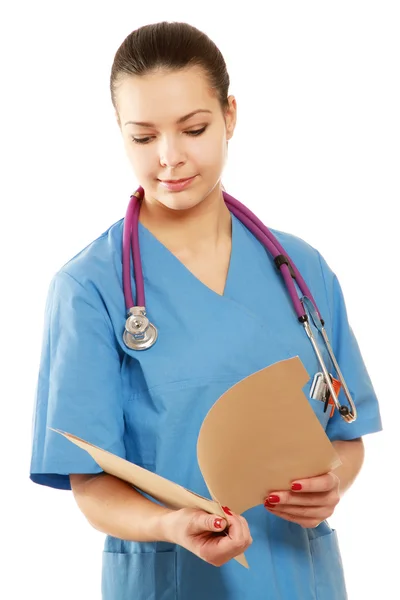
(258,437)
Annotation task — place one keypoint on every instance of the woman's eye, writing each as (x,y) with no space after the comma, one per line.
(196,131)
(146,140)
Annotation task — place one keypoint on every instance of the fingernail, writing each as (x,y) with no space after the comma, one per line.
(296,487)
(218,523)
(227,510)
(268,505)
(273,499)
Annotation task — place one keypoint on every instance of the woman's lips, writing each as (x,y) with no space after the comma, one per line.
(177,184)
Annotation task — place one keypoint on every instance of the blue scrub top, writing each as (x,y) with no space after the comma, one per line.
(148,406)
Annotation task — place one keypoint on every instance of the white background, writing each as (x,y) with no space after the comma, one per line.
(315,153)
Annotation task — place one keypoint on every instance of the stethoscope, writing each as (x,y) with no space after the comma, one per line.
(140,334)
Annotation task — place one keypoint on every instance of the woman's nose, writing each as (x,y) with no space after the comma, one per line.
(172,153)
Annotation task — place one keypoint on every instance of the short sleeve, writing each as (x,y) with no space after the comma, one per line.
(352,366)
(79,387)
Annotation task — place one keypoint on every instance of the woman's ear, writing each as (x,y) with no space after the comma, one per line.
(230,117)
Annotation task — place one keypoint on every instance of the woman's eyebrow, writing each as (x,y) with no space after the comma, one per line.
(180,120)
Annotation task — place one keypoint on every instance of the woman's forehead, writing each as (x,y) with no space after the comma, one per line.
(164,96)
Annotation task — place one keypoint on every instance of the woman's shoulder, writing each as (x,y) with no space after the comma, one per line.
(295,243)
(307,258)
(98,264)
(100,253)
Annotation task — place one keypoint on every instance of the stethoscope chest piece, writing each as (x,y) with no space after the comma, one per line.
(139,333)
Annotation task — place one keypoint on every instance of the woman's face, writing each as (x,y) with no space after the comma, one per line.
(173,128)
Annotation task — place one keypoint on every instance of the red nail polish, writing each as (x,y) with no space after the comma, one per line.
(227,510)
(218,523)
(273,499)
(268,505)
(296,487)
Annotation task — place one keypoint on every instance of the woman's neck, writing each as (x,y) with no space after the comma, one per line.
(194,230)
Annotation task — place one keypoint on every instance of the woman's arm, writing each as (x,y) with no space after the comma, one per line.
(114,507)
(351,453)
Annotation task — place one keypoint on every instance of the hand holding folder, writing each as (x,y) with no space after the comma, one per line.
(259,436)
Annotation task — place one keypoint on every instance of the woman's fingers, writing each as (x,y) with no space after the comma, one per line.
(309,502)
(232,542)
(279,499)
(238,530)
(213,538)
(321,483)
(314,491)
(308,522)
(308,512)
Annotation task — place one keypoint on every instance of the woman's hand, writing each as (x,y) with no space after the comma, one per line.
(204,535)
(310,501)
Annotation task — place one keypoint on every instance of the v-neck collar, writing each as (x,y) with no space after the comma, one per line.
(179,303)
(145,233)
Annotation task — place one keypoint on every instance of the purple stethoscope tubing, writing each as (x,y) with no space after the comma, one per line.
(249,219)
(130,243)
(263,234)
(289,271)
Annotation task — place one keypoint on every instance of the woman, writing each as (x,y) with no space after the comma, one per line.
(222,313)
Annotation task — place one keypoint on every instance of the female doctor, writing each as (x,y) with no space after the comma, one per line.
(222,312)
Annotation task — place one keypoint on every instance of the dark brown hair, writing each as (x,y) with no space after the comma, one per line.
(171,46)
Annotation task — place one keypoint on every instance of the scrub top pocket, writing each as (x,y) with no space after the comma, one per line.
(139,576)
(318,408)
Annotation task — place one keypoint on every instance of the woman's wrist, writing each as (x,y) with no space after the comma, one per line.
(163,525)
